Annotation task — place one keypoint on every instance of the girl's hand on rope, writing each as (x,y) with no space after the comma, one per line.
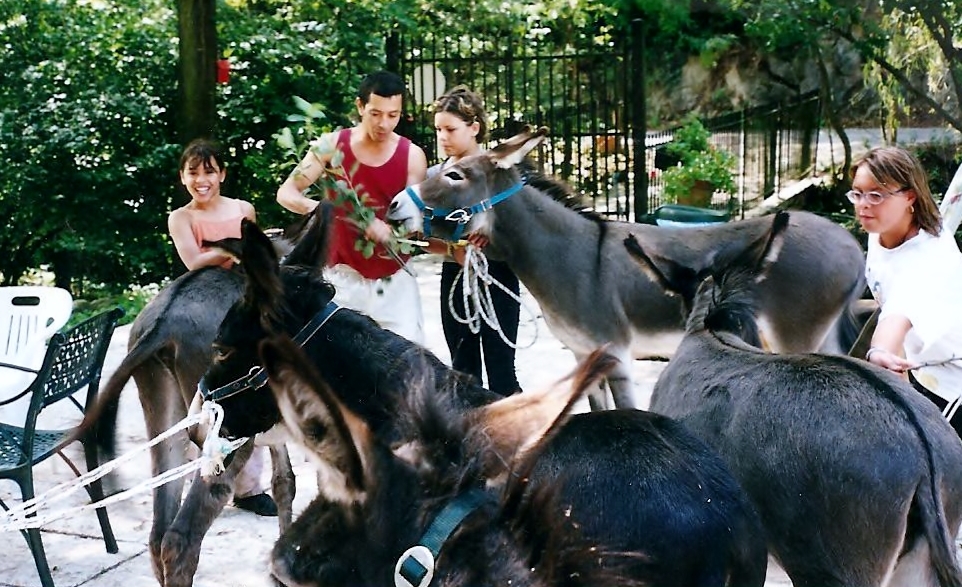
(888,360)
(459,253)
(478,240)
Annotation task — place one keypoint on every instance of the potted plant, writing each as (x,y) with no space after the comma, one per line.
(702,168)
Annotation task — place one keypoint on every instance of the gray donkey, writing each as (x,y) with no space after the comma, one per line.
(591,293)
(857,477)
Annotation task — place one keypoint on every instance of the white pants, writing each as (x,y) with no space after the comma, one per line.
(393,302)
(250,479)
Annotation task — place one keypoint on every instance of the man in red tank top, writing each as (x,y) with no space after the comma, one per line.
(380,163)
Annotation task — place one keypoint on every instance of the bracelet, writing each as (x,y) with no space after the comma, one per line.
(868,354)
(450,247)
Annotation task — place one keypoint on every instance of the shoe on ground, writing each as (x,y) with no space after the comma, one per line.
(261,504)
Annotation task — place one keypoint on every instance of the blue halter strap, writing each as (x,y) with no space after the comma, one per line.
(461,216)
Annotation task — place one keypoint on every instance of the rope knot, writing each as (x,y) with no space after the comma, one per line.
(215,449)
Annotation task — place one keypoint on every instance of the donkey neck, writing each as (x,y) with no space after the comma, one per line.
(370,367)
(531,228)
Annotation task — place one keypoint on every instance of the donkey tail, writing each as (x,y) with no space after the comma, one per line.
(928,503)
(100,421)
(928,497)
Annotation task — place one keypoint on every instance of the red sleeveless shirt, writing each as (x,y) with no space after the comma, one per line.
(378,185)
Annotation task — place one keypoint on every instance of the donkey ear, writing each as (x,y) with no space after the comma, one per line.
(515,425)
(312,240)
(769,251)
(754,255)
(513,150)
(259,260)
(670,275)
(337,441)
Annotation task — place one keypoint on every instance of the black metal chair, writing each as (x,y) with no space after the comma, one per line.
(73,362)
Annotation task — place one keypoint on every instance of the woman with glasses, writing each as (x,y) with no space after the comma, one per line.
(914,270)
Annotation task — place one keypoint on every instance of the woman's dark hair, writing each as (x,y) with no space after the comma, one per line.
(202,152)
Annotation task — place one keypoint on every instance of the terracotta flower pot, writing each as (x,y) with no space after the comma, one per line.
(700,194)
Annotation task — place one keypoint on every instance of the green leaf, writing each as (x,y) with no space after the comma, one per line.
(368,250)
(285,139)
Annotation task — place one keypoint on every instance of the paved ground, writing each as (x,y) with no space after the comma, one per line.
(236,548)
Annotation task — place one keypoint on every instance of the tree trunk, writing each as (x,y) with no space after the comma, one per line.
(831,112)
(197,69)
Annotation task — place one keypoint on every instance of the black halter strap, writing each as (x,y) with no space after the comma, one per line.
(415,567)
(257,377)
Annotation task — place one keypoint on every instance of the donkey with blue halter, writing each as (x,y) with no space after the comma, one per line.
(589,290)
(435,513)
(857,477)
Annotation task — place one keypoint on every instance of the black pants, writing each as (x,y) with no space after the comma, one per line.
(956,421)
(465,346)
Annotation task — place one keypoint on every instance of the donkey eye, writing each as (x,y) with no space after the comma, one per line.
(455,175)
(221,353)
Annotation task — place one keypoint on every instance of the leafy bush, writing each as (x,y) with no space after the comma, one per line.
(699,160)
(100,299)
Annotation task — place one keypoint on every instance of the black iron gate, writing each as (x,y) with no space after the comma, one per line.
(588,93)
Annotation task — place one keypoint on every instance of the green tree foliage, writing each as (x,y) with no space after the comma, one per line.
(911,48)
(88,135)
(83,107)
(914,54)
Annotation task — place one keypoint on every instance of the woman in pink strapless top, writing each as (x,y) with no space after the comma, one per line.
(209,215)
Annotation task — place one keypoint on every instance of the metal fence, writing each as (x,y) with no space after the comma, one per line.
(773,145)
(582,91)
(590,96)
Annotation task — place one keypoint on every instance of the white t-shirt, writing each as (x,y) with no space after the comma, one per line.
(921,279)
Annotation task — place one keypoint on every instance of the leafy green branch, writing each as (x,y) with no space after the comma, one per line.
(311,134)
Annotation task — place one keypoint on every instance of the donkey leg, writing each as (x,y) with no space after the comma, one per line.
(598,397)
(283,485)
(162,405)
(180,550)
(620,381)
(598,394)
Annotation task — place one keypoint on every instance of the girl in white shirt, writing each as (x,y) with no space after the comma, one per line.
(914,270)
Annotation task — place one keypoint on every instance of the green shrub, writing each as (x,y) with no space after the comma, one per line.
(101,299)
(699,160)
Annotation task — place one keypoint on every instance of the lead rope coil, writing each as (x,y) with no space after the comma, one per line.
(476,297)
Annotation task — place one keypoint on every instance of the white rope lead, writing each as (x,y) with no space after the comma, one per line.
(476,297)
(26,514)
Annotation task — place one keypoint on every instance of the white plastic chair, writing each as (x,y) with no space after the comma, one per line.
(29,316)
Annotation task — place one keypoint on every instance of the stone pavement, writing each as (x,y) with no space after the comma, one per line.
(236,548)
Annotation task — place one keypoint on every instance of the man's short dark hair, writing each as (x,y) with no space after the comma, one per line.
(382,83)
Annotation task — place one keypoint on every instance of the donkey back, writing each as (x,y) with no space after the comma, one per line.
(857,478)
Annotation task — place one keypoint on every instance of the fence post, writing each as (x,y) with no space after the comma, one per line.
(742,163)
(639,123)
(392,52)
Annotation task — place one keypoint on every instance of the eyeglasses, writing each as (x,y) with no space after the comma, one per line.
(871,198)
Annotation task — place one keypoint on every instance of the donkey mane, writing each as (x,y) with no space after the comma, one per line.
(429,414)
(731,309)
(557,190)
